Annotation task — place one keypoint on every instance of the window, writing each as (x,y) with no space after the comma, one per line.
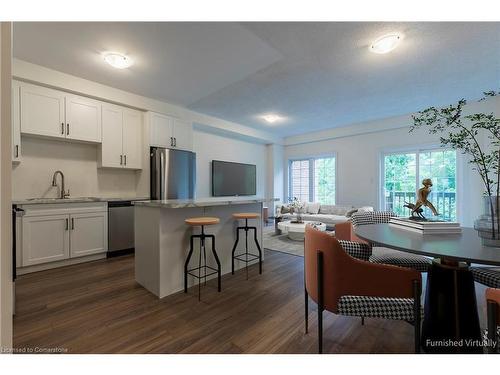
(403,174)
(300,176)
(312,180)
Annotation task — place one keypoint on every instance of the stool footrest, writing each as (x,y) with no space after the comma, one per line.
(252,256)
(190,272)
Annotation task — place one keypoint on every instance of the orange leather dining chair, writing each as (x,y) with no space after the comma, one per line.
(493,311)
(344,285)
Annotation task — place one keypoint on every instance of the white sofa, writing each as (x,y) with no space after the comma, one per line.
(328,214)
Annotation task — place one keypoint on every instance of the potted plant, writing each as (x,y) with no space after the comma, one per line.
(463,133)
(297,206)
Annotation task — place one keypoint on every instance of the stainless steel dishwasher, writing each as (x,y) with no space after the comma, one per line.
(120,228)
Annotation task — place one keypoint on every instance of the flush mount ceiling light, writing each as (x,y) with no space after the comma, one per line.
(117,60)
(271,118)
(386,43)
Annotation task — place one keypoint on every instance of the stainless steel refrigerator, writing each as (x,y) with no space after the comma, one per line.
(173,174)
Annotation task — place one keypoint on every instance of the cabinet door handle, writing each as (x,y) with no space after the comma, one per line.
(121,159)
(67,224)
(17,151)
(175,142)
(72,223)
(171,141)
(62,127)
(125,159)
(67,128)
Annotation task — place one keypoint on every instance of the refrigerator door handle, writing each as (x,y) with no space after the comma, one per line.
(161,174)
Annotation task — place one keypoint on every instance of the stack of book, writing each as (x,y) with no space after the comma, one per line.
(425,227)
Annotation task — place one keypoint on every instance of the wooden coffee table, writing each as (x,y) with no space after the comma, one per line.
(295,231)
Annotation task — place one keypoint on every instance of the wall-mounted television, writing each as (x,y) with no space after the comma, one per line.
(229,178)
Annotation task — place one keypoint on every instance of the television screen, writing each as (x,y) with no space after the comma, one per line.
(230,178)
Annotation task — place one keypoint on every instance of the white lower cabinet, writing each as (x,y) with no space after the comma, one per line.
(45,239)
(88,233)
(51,234)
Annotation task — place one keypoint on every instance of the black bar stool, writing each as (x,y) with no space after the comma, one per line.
(246,256)
(201,221)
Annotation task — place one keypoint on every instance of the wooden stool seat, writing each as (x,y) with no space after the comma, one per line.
(246,215)
(196,221)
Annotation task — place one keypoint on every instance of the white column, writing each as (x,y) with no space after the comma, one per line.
(6,286)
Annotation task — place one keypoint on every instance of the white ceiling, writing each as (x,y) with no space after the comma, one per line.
(317,75)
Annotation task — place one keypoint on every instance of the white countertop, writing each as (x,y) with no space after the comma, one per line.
(74,200)
(201,202)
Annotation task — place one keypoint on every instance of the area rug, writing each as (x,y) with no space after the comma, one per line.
(280,242)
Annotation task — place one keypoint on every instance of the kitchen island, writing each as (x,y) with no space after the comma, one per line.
(162,238)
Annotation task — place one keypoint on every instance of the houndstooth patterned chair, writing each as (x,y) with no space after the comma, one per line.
(357,250)
(389,256)
(487,276)
(340,282)
(378,307)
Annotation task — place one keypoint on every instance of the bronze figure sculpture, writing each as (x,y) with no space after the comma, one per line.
(423,193)
(419,212)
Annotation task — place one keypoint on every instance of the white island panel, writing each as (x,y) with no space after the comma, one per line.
(162,240)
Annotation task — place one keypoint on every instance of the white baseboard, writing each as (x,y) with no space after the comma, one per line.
(62,263)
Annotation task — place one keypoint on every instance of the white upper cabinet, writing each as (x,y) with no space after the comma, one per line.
(132,139)
(183,135)
(121,138)
(16,123)
(42,111)
(169,132)
(160,130)
(52,113)
(83,119)
(111,154)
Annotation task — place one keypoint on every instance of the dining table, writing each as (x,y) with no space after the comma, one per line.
(451,320)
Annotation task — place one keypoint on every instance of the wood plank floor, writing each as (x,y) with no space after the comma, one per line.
(98,307)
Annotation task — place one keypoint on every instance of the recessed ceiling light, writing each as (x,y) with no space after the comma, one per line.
(386,43)
(117,60)
(272,118)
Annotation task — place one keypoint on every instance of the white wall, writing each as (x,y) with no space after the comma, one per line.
(78,161)
(358,160)
(210,147)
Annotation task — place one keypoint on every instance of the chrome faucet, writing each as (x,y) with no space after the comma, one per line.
(64,194)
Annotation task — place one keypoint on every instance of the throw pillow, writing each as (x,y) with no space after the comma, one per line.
(365,209)
(286,209)
(349,213)
(326,209)
(312,208)
(341,210)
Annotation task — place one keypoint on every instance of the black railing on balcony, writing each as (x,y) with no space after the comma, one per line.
(445,203)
